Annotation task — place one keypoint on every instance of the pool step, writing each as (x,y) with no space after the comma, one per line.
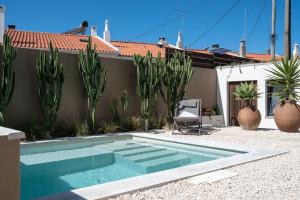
(151,155)
(163,163)
(116,147)
(133,152)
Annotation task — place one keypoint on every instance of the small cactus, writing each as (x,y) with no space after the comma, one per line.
(50,74)
(7,75)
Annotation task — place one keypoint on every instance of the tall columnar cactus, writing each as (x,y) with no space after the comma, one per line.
(149,74)
(50,74)
(93,76)
(7,75)
(178,72)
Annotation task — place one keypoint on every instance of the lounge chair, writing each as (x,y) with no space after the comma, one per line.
(188,115)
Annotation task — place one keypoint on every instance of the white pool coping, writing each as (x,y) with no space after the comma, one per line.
(11,134)
(115,188)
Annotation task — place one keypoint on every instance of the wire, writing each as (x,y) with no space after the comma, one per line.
(217,22)
(169,21)
(256,21)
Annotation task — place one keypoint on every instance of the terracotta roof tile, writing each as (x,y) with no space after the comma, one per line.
(40,40)
(131,48)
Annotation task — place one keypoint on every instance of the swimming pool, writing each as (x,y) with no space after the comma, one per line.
(54,167)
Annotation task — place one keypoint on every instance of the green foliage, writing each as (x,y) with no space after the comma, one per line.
(50,75)
(113,109)
(178,72)
(124,101)
(93,76)
(34,131)
(149,74)
(217,110)
(246,92)
(158,122)
(286,77)
(111,128)
(136,123)
(7,75)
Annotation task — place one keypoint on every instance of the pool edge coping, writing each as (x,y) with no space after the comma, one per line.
(132,184)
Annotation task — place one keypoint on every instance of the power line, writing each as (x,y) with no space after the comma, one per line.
(217,22)
(257,20)
(169,21)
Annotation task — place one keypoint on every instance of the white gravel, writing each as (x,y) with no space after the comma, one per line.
(272,178)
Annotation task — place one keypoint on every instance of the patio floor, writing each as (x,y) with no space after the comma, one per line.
(273,178)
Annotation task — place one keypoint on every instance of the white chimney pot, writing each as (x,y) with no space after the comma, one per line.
(106,33)
(243,48)
(94,31)
(2,22)
(179,43)
(296,51)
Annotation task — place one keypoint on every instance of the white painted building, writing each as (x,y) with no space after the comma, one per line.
(231,75)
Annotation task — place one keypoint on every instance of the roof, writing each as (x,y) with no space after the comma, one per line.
(68,42)
(131,48)
(253,56)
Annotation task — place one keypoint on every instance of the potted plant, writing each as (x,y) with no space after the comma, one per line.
(249,116)
(285,76)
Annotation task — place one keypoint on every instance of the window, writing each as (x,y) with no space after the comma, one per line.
(272,101)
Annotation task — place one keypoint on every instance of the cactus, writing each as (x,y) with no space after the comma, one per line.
(93,76)
(7,75)
(178,72)
(124,101)
(149,74)
(50,75)
(113,109)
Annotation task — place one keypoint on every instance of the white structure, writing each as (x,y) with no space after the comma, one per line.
(94,31)
(179,43)
(2,22)
(228,75)
(296,51)
(243,48)
(106,33)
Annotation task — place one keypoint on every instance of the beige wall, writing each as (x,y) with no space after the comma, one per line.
(24,106)
(9,168)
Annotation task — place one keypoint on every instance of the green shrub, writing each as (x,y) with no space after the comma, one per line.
(136,123)
(111,128)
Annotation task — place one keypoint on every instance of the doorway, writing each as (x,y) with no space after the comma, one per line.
(235,106)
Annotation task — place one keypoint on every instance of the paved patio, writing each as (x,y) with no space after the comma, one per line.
(273,178)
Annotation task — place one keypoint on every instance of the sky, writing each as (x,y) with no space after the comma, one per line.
(205,22)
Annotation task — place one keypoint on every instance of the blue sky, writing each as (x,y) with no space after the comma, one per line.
(130,18)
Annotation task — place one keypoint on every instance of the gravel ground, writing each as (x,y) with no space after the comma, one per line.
(273,178)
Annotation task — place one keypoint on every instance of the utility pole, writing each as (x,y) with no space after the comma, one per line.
(287,29)
(273,36)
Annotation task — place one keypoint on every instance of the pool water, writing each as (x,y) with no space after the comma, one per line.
(61,166)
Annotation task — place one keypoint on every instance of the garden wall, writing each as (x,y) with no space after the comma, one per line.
(24,106)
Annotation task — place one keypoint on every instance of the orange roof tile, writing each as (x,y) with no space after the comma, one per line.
(131,48)
(40,40)
(261,57)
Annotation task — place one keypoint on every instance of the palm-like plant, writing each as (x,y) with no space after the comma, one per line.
(286,77)
(246,92)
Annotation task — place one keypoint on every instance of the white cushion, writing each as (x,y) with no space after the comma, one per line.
(187,114)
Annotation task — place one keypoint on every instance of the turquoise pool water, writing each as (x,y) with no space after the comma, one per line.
(61,166)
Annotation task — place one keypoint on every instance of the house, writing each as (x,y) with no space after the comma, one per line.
(121,72)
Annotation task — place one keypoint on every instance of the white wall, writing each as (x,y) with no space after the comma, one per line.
(246,72)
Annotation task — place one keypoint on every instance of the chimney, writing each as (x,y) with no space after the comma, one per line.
(11,27)
(94,31)
(215,46)
(296,51)
(162,41)
(106,33)
(179,43)
(2,14)
(243,48)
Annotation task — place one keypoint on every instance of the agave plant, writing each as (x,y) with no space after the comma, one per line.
(246,92)
(286,77)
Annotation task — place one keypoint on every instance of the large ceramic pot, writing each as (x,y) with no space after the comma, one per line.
(249,118)
(287,116)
